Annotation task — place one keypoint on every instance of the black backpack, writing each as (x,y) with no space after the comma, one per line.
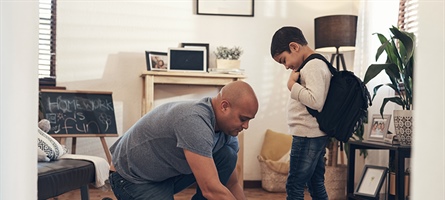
(346,105)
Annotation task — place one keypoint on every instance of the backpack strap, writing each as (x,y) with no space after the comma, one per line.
(321,57)
(331,69)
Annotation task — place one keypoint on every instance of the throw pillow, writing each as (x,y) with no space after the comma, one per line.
(285,158)
(275,145)
(49,145)
(41,156)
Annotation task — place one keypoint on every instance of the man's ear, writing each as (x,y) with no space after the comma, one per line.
(224,105)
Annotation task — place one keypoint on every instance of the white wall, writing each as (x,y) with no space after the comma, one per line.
(18,99)
(428,156)
(101,45)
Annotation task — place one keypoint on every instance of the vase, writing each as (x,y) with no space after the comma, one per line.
(227,64)
(403,124)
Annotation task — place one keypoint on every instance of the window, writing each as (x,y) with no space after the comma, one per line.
(408,15)
(47,42)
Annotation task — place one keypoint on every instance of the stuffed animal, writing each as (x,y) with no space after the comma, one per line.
(45,125)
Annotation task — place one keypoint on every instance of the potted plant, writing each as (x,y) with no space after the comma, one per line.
(228,58)
(399,65)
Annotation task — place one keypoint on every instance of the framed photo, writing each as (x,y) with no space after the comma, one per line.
(242,8)
(379,127)
(371,181)
(198,45)
(187,59)
(156,61)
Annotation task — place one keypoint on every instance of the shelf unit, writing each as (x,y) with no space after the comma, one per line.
(397,153)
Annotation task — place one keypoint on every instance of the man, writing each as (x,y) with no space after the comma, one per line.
(307,166)
(180,143)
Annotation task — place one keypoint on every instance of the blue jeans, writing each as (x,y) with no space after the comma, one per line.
(225,161)
(307,168)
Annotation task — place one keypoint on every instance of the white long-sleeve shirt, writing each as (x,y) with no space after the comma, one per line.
(311,91)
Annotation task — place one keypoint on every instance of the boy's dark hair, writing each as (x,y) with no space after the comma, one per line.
(284,36)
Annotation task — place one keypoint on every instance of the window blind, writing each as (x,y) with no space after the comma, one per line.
(408,15)
(47,39)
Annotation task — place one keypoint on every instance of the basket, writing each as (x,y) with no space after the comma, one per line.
(335,182)
(272,181)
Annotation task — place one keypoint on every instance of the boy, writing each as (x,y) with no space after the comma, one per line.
(307,166)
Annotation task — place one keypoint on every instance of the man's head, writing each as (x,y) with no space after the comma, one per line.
(289,47)
(234,106)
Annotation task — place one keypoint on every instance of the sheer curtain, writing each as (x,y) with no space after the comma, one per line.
(374,17)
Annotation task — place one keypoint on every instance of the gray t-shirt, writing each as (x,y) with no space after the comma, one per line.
(152,149)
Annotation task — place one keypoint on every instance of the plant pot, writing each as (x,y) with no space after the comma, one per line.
(335,181)
(403,124)
(227,64)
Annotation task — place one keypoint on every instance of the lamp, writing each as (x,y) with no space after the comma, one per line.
(335,33)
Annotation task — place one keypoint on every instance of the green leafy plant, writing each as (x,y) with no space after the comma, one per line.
(226,53)
(399,66)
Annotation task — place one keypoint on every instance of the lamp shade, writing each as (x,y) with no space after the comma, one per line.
(335,32)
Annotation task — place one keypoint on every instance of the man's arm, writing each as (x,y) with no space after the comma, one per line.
(207,178)
(235,187)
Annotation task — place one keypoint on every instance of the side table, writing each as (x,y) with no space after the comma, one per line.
(397,153)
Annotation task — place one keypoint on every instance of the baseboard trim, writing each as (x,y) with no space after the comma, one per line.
(252,184)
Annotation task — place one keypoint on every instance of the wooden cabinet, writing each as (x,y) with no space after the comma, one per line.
(151,78)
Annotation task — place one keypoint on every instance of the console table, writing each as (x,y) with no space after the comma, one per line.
(150,78)
(397,153)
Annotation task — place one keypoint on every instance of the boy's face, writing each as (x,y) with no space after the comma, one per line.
(290,60)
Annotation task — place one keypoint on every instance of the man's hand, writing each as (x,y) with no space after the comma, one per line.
(235,187)
(292,79)
(207,177)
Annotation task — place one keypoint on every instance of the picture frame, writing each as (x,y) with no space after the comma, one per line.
(187,59)
(371,181)
(198,45)
(156,61)
(243,8)
(379,127)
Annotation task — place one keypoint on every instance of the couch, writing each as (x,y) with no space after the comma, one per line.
(60,176)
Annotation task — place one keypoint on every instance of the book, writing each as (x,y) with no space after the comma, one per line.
(391,139)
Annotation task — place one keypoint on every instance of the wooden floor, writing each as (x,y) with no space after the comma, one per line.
(251,194)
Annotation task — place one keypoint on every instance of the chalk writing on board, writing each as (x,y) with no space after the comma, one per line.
(79,113)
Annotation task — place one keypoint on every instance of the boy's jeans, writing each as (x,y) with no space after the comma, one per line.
(225,161)
(307,167)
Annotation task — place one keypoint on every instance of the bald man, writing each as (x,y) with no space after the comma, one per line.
(181,143)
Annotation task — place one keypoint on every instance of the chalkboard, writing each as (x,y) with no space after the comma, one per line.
(78,112)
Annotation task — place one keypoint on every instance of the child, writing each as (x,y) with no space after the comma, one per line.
(307,166)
